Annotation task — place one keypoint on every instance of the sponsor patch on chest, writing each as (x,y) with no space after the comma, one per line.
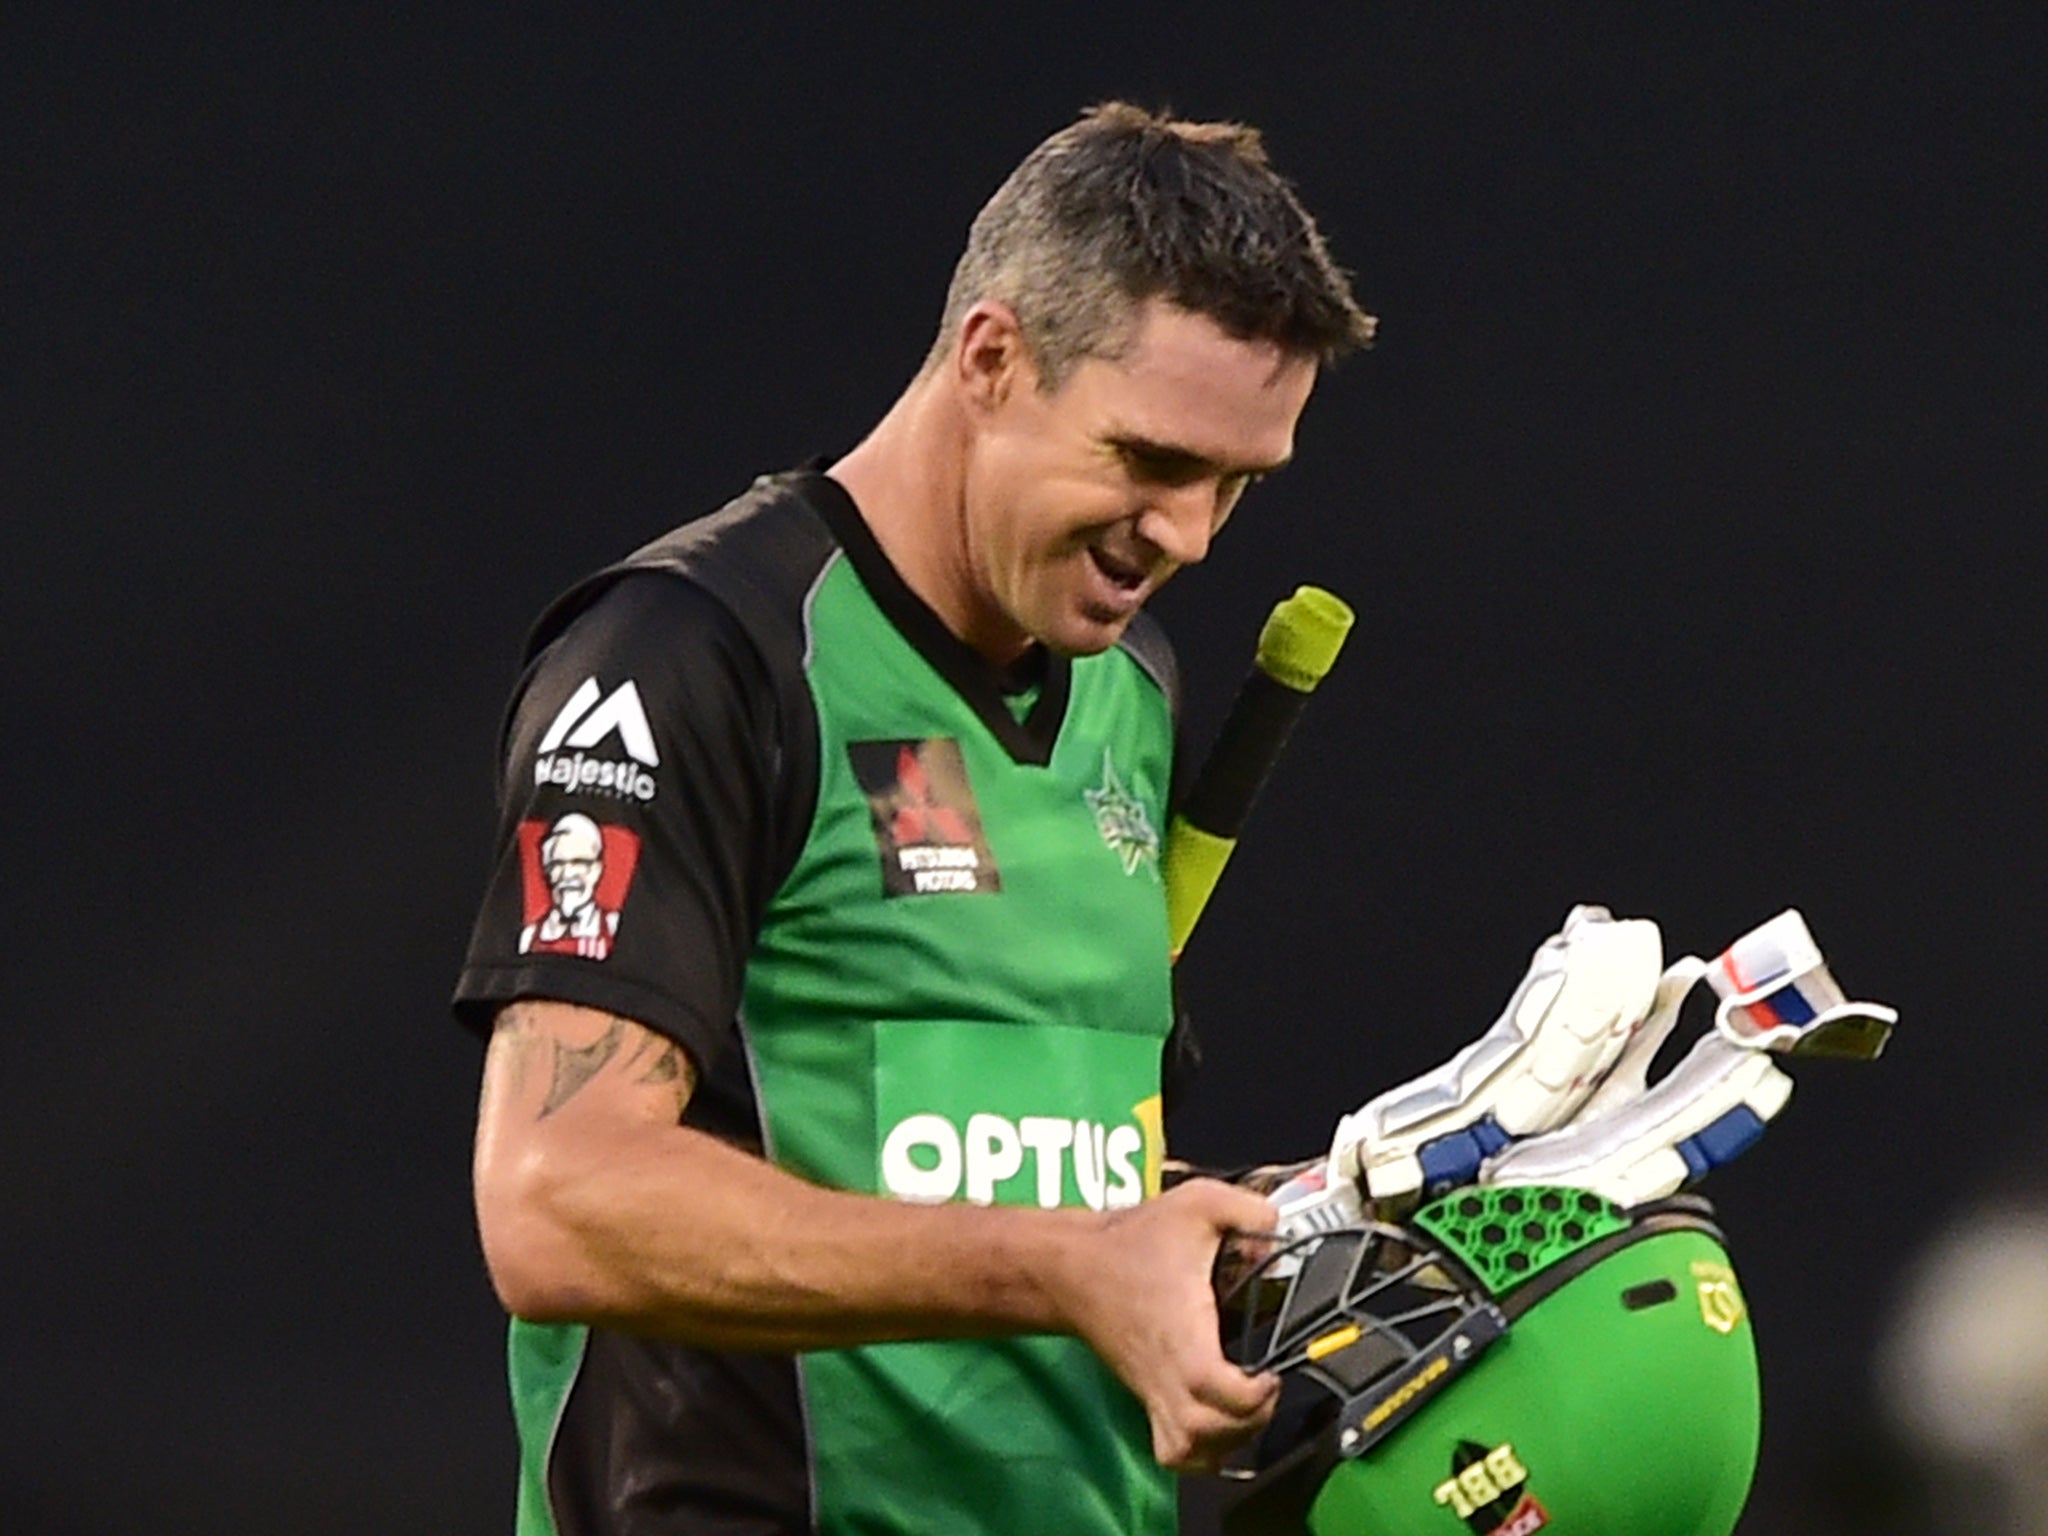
(928,828)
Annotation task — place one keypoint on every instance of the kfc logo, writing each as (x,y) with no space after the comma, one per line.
(576,876)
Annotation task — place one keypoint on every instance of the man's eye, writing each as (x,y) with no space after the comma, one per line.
(1160,468)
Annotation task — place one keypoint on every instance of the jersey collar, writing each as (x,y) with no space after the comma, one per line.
(979,682)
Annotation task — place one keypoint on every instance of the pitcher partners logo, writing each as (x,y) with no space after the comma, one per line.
(927,826)
(929,1159)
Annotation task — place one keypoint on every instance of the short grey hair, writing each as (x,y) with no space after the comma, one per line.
(1127,205)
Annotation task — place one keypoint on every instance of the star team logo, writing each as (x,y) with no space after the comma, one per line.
(927,826)
(1120,818)
(576,873)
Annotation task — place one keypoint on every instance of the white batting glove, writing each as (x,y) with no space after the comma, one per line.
(1777,994)
(1631,1142)
(1561,1032)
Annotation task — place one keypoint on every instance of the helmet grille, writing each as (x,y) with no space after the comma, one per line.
(1346,1307)
(1507,1236)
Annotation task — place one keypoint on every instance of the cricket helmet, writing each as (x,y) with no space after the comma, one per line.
(1508,1361)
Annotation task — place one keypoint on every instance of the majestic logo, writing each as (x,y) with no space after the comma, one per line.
(575,877)
(927,826)
(927,1157)
(588,718)
(1488,1490)
(1120,818)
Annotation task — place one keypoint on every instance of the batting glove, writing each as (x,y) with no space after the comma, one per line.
(1631,1142)
(1562,1031)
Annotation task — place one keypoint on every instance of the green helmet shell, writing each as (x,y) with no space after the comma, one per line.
(1622,1396)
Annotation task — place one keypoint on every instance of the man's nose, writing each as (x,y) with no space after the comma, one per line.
(1179,522)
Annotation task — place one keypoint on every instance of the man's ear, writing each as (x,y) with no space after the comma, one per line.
(990,360)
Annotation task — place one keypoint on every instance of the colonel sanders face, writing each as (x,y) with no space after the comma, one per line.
(572,859)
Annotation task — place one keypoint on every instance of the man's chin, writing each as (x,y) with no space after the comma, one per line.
(1090,632)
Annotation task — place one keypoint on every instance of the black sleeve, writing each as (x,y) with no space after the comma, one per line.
(648,788)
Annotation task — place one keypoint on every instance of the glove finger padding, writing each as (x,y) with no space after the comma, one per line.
(1630,1075)
(1564,1029)
(1707,1111)
(1631,1142)
(1777,994)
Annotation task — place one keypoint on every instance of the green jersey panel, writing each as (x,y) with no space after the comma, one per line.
(961,992)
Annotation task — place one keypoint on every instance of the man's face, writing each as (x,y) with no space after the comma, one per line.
(573,882)
(1082,502)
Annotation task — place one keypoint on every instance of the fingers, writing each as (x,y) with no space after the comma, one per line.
(1236,1393)
(1213,1408)
(1236,1261)
(1146,1306)
(1226,1409)
(1248,1213)
(1230,1210)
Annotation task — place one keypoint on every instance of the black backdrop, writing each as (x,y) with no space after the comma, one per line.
(1690,503)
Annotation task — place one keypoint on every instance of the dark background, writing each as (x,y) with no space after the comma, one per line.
(1690,502)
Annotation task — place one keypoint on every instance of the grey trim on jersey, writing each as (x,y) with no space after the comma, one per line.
(723,1431)
(981,685)
(761,557)
(803,1389)
(1146,644)
(811,603)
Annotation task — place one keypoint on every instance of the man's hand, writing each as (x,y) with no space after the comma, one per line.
(1140,1295)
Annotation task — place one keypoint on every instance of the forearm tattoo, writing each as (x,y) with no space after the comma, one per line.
(668,1065)
(654,1061)
(577,1065)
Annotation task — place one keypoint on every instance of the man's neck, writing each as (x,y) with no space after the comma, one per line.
(908,477)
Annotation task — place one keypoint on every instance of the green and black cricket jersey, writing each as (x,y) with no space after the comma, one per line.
(904,913)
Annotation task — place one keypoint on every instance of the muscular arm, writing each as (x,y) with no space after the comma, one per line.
(596,1206)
